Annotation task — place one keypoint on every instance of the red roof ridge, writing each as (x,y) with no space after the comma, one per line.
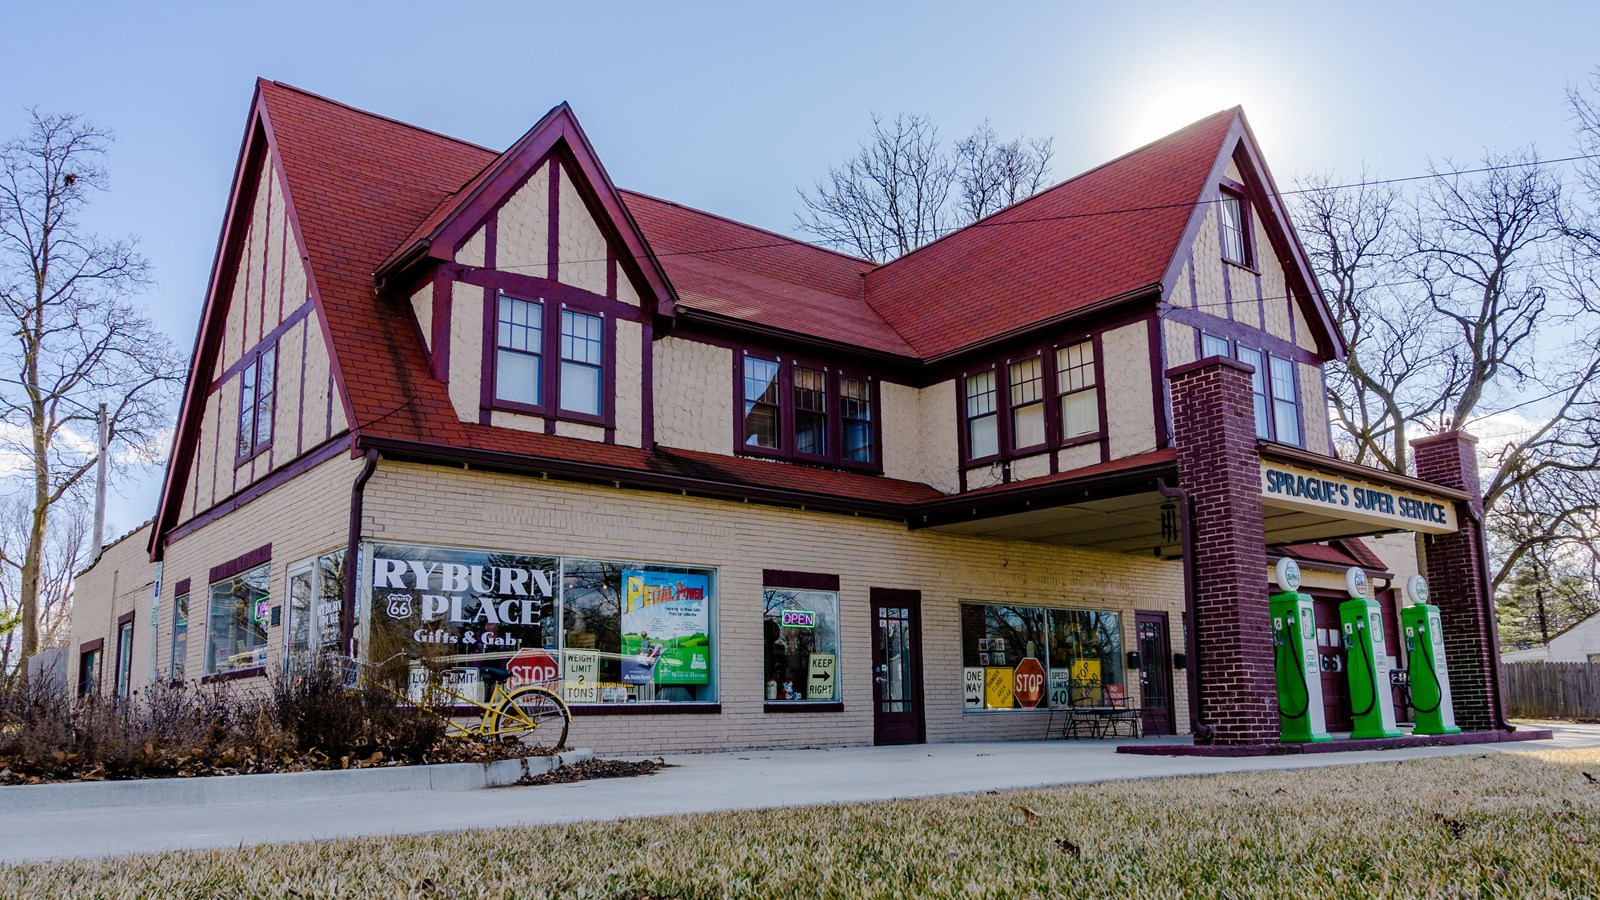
(1204,120)
(372,115)
(749,227)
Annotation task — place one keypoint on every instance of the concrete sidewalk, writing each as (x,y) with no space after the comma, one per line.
(697,783)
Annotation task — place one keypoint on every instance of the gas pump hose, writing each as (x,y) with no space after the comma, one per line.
(1305,689)
(1372,678)
(1427,660)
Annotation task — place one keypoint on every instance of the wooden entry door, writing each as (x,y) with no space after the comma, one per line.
(897,716)
(1155,676)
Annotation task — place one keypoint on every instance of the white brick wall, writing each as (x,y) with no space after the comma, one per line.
(435,505)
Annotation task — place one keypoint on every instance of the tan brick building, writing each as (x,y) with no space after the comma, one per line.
(737,490)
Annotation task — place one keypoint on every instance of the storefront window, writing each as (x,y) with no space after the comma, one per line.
(1024,657)
(635,632)
(602,631)
(801,631)
(236,626)
(330,601)
(1086,658)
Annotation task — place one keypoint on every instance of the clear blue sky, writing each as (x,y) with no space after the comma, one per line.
(730,107)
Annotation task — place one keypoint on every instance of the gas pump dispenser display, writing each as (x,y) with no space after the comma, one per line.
(1430,678)
(1367,661)
(1294,639)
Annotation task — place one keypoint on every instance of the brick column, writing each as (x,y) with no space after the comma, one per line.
(1213,422)
(1458,583)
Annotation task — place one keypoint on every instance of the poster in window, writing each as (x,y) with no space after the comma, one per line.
(665,627)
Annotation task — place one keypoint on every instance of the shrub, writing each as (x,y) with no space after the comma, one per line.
(303,722)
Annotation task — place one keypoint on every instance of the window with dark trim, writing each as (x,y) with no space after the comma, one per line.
(1285,401)
(1235,222)
(1272,388)
(983,427)
(1051,399)
(180,636)
(1026,380)
(807,412)
(124,671)
(258,388)
(1079,390)
(519,352)
(89,671)
(550,359)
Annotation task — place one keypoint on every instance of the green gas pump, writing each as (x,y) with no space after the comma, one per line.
(1367,661)
(1430,678)
(1294,629)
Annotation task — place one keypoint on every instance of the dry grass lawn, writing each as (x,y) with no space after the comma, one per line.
(1521,824)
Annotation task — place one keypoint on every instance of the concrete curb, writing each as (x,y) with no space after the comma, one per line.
(218,789)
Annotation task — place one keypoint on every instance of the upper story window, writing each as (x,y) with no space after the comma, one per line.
(807,412)
(581,362)
(258,386)
(1078,388)
(1235,223)
(519,352)
(549,359)
(983,431)
(1051,398)
(1272,388)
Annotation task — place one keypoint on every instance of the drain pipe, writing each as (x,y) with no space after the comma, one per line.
(1191,606)
(347,616)
(1486,599)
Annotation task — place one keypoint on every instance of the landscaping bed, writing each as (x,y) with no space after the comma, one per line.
(1523,824)
(310,722)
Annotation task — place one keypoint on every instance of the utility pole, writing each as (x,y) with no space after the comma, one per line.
(100,484)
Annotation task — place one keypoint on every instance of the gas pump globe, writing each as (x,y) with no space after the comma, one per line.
(1430,676)
(1300,711)
(1367,662)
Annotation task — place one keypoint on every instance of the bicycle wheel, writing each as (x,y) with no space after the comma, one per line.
(533,715)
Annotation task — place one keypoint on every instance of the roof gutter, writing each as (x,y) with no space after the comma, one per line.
(386,275)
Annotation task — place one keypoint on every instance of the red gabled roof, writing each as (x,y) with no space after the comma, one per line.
(1106,233)
(1342,553)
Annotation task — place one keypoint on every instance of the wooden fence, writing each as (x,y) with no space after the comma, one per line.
(1552,690)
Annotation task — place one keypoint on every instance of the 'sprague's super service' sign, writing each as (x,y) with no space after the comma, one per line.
(1304,489)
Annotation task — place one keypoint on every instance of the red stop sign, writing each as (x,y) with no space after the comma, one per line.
(1029,682)
(531,667)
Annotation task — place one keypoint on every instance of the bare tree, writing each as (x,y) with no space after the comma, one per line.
(74,337)
(903,189)
(1467,306)
(65,541)
(992,174)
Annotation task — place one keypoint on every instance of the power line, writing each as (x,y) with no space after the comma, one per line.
(1033,220)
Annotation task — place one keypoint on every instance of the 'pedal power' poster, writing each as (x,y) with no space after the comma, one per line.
(665,631)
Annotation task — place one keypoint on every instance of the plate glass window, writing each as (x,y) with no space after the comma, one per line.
(983,437)
(810,411)
(1285,403)
(855,409)
(236,624)
(519,351)
(761,406)
(801,631)
(1080,393)
(1086,658)
(1027,402)
(581,362)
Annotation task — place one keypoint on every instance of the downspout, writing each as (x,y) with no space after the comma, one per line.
(347,616)
(1486,598)
(1191,607)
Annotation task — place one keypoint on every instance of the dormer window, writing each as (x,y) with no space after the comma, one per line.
(806,412)
(549,359)
(1235,236)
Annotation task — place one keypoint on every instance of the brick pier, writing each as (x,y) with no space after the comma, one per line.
(1220,467)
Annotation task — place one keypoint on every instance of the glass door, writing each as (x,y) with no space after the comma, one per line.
(1155,674)
(897,667)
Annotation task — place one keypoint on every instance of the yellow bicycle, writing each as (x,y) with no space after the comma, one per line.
(532,714)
